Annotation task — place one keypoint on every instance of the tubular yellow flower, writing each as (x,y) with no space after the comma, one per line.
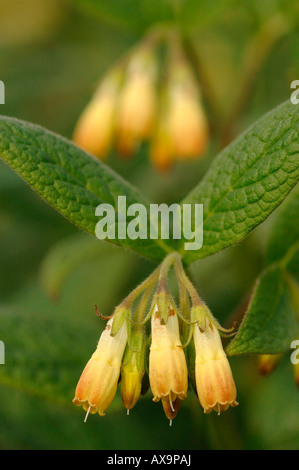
(96,126)
(137,107)
(167,364)
(187,122)
(187,125)
(98,382)
(214,381)
(138,102)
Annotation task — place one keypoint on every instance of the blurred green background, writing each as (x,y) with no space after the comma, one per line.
(52,53)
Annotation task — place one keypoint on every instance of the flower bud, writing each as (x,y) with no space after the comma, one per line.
(214,381)
(98,382)
(132,372)
(167,364)
(96,126)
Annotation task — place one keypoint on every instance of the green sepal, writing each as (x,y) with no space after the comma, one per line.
(120,315)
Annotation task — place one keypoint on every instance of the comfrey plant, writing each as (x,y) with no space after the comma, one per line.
(161,332)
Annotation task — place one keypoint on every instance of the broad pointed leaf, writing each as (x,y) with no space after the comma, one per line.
(69,179)
(247,181)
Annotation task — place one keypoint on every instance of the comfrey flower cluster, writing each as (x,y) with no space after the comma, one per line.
(149,336)
(144,99)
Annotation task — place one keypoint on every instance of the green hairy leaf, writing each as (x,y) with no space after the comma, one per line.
(247,180)
(71,180)
(271,322)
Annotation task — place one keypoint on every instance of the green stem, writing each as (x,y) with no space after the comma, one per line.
(149,282)
(164,268)
(183,278)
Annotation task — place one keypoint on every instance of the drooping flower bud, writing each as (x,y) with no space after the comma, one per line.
(132,372)
(214,381)
(167,364)
(98,382)
(96,126)
(130,384)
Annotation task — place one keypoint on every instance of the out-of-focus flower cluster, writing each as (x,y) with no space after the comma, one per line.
(150,337)
(147,98)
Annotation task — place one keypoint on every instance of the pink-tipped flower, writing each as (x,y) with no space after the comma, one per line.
(214,381)
(98,382)
(167,364)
